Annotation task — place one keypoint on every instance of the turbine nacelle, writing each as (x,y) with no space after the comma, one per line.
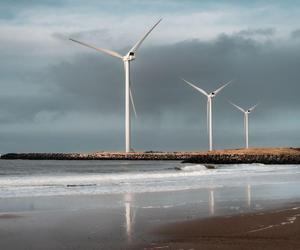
(129,57)
(209,95)
(246,111)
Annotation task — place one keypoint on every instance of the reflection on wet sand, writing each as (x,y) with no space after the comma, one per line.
(129,215)
(249,195)
(211,202)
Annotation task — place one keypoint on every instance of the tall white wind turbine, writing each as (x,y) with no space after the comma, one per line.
(130,56)
(246,120)
(210,97)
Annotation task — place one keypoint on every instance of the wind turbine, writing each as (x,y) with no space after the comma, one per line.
(210,97)
(246,120)
(130,56)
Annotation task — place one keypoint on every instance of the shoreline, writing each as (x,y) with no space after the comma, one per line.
(272,229)
(230,156)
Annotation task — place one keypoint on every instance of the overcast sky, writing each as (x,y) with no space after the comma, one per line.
(59,96)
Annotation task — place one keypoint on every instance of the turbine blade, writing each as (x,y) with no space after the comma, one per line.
(106,51)
(195,87)
(238,107)
(138,44)
(132,103)
(253,107)
(222,87)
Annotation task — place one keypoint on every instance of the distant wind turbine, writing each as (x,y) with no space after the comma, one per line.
(210,97)
(246,120)
(128,94)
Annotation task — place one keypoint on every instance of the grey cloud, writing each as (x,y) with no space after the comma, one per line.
(257,32)
(9,9)
(30,3)
(295,34)
(87,34)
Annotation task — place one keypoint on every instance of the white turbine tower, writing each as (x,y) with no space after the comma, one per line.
(128,95)
(246,120)
(210,97)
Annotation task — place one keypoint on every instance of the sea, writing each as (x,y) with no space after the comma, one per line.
(27,178)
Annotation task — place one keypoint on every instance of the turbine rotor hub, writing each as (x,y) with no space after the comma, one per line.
(129,57)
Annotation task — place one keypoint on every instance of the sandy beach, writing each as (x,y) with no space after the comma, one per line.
(275,229)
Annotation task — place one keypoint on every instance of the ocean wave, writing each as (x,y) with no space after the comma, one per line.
(192,168)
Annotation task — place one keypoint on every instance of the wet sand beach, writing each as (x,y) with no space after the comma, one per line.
(275,229)
(145,221)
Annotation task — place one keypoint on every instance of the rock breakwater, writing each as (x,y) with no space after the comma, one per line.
(234,156)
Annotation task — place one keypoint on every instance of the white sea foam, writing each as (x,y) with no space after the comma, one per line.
(288,220)
(192,168)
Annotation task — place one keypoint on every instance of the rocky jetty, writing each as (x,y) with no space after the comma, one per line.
(101,156)
(234,156)
(253,155)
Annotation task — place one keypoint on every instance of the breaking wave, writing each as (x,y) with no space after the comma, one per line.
(192,168)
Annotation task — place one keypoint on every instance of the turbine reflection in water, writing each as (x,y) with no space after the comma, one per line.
(249,195)
(129,215)
(211,202)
